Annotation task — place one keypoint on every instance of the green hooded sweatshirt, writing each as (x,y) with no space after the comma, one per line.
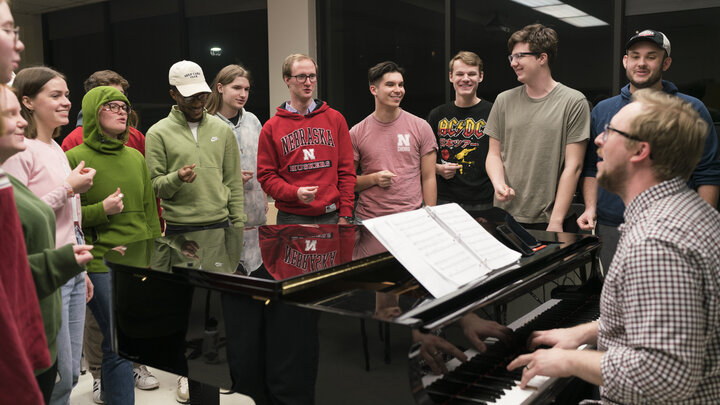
(117,167)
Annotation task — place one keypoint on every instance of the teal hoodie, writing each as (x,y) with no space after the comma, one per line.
(117,167)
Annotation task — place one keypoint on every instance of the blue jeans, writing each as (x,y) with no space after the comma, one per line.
(116,373)
(69,339)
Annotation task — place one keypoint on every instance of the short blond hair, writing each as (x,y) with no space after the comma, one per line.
(673,128)
(468,58)
(295,57)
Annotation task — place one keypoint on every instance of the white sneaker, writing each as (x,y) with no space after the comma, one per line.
(182,395)
(143,379)
(97,392)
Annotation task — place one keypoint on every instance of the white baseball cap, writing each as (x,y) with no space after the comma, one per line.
(188,78)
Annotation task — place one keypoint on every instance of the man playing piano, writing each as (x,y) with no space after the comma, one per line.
(658,335)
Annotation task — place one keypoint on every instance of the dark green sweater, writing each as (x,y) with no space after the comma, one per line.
(51,268)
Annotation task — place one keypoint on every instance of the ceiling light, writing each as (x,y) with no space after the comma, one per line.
(561,11)
(585,21)
(538,3)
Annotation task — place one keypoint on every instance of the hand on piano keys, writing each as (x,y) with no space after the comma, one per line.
(484,378)
(434,349)
(558,361)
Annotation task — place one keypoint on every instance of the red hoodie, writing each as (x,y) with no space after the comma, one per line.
(301,151)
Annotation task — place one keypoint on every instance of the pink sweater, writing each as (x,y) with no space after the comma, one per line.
(43,168)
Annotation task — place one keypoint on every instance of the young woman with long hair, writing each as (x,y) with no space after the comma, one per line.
(45,170)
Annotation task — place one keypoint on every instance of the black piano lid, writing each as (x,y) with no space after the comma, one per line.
(333,268)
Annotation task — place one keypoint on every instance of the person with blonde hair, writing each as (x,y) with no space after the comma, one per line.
(459,128)
(658,336)
(230,93)
(25,348)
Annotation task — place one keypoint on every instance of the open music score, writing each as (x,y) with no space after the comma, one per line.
(443,247)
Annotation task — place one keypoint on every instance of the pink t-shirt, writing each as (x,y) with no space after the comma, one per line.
(43,168)
(396,146)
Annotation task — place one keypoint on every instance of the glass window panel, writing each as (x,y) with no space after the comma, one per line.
(354,36)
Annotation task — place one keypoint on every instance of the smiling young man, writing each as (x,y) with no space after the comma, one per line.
(459,127)
(647,57)
(394,150)
(538,133)
(194,160)
(658,336)
(304,153)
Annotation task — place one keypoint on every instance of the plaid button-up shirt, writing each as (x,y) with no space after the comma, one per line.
(660,306)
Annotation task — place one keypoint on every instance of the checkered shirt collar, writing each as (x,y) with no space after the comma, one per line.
(639,205)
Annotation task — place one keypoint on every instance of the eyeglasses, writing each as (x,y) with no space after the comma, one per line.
(302,78)
(15,32)
(201,97)
(116,108)
(608,128)
(521,55)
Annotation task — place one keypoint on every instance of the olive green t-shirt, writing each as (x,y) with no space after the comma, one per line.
(533,134)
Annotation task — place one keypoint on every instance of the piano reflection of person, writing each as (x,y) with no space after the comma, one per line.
(658,335)
(272,347)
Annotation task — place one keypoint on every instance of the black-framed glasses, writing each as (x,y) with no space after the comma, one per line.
(116,108)
(303,78)
(607,128)
(520,55)
(15,32)
(201,97)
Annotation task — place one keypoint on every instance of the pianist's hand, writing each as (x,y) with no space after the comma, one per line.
(432,348)
(476,329)
(547,362)
(568,338)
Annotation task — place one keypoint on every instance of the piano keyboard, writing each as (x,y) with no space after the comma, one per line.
(483,379)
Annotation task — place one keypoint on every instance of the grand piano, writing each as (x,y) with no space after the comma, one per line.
(324,314)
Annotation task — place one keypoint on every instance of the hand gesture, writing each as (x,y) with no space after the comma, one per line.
(81,178)
(383,178)
(247,175)
(587,220)
(447,170)
(113,203)
(504,193)
(306,195)
(82,254)
(187,174)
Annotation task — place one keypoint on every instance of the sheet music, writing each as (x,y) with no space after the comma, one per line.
(480,241)
(443,247)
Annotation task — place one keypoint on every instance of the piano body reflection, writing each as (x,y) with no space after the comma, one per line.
(290,312)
